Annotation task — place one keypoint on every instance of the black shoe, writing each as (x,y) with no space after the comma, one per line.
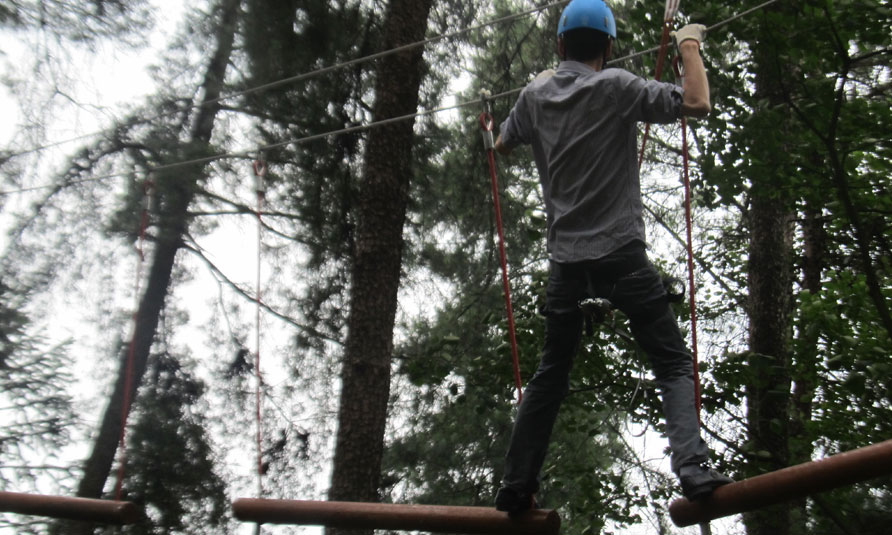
(514,502)
(698,481)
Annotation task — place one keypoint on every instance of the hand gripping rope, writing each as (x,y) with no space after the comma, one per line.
(486,123)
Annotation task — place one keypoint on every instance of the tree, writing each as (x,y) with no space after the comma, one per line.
(174,195)
(54,33)
(377,261)
(81,21)
(179,133)
(169,463)
(36,406)
(804,92)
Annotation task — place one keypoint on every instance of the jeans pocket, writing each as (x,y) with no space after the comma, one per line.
(564,290)
(633,292)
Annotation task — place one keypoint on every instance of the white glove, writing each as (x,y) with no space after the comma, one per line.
(691,31)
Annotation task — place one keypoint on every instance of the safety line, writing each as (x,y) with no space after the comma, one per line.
(692,298)
(247,155)
(486,123)
(260,168)
(307,75)
(129,386)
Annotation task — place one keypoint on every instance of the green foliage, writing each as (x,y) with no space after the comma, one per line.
(32,378)
(801,116)
(36,406)
(83,21)
(170,465)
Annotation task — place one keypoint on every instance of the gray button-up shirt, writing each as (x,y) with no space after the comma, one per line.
(581,124)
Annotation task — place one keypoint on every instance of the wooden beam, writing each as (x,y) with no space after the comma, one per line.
(400,517)
(63,507)
(787,484)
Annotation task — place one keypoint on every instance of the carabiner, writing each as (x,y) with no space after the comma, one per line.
(260,169)
(678,67)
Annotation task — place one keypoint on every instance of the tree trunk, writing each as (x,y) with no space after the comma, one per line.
(175,190)
(770,283)
(768,394)
(384,194)
(805,367)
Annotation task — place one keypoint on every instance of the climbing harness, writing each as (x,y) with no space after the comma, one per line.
(486,123)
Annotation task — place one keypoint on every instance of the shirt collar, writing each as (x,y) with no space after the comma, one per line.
(576,67)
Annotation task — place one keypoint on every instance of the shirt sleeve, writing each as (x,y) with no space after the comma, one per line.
(515,130)
(649,100)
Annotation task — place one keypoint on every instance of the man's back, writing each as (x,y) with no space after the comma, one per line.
(581,123)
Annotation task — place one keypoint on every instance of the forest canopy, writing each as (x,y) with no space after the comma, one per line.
(338,329)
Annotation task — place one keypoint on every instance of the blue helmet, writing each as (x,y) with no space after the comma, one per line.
(592,14)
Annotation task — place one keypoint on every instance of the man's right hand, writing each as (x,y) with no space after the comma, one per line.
(696,86)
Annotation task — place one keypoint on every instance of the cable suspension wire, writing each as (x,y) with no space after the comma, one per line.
(247,154)
(310,74)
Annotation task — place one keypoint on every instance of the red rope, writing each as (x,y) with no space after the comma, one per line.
(661,56)
(661,59)
(131,349)
(259,173)
(690,248)
(486,122)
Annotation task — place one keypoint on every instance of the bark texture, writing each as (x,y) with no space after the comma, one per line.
(384,194)
(770,285)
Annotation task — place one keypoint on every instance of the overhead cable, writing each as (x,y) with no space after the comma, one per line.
(307,75)
(248,154)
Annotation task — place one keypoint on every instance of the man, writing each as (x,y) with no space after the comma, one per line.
(581,122)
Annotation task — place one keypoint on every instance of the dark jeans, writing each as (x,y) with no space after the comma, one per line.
(628,279)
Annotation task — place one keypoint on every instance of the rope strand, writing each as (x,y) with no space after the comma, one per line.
(260,168)
(690,251)
(486,123)
(131,349)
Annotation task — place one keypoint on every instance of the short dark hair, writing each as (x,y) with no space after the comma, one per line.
(585,44)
